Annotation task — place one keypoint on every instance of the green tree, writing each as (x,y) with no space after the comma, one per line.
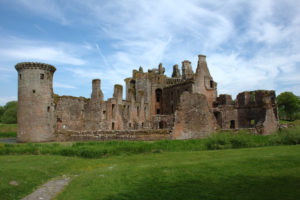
(1,111)
(9,115)
(288,105)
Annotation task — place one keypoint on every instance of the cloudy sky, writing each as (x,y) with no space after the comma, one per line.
(249,44)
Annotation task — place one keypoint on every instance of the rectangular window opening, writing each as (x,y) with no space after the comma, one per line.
(33,91)
(48,108)
(113,126)
(112,107)
(42,76)
(158,111)
(211,84)
(20,76)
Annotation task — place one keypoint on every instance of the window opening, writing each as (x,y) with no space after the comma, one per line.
(161,125)
(232,124)
(158,93)
(42,76)
(112,107)
(113,126)
(211,84)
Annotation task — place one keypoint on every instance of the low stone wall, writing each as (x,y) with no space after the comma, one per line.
(130,135)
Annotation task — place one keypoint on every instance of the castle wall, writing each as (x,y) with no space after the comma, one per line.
(70,113)
(171,96)
(101,135)
(188,105)
(193,118)
(257,109)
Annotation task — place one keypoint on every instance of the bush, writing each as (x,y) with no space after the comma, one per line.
(226,140)
(286,136)
(9,115)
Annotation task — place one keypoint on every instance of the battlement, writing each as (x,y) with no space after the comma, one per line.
(35,65)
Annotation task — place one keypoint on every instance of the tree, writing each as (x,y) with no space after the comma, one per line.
(9,115)
(288,105)
(1,111)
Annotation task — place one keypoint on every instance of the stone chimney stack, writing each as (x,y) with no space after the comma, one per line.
(187,71)
(96,92)
(118,93)
(202,66)
(176,72)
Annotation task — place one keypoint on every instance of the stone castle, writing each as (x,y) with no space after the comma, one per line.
(183,106)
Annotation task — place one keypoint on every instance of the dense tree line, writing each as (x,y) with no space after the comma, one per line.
(288,106)
(8,113)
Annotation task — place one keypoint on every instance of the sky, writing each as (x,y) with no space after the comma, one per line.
(249,44)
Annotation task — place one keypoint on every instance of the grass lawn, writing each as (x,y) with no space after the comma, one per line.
(249,173)
(8,130)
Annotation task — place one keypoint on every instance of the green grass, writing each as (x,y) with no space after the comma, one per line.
(249,173)
(220,140)
(8,130)
(31,171)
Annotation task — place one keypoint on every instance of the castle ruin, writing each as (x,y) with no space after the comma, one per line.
(183,106)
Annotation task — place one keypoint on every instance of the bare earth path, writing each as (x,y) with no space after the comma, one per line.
(49,190)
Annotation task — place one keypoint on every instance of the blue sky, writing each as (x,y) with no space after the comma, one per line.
(249,44)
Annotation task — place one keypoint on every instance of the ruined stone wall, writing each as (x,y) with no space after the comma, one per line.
(225,112)
(162,121)
(135,135)
(193,118)
(187,104)
(70,113)
(36,121)
(257,109)
(171,96)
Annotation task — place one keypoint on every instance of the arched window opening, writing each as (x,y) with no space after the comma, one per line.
(113,126)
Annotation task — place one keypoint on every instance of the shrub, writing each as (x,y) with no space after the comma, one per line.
(286,136)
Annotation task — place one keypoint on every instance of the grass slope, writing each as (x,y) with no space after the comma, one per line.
(258,173)
(255,173)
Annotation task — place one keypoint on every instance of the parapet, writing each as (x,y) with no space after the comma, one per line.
(35,65)
(201,58)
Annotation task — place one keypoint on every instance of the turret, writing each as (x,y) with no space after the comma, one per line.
(187,71)
(96,92)
(118,93)
(36,119)
(204,83)
(161,69)
(176,72)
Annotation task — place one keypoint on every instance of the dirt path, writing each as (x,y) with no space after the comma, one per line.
(8,140)
(49,190)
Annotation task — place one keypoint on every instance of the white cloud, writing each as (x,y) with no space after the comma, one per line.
(62,85)
(4,100)
(249,44)
(18,49)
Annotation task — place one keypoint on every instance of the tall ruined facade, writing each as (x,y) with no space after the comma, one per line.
(183,106)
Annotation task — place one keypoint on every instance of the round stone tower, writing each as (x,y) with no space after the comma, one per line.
(36,117)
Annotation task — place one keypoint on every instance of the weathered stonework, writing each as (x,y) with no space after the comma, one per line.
(156,107)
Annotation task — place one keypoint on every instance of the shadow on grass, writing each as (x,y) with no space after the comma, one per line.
(235,187)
